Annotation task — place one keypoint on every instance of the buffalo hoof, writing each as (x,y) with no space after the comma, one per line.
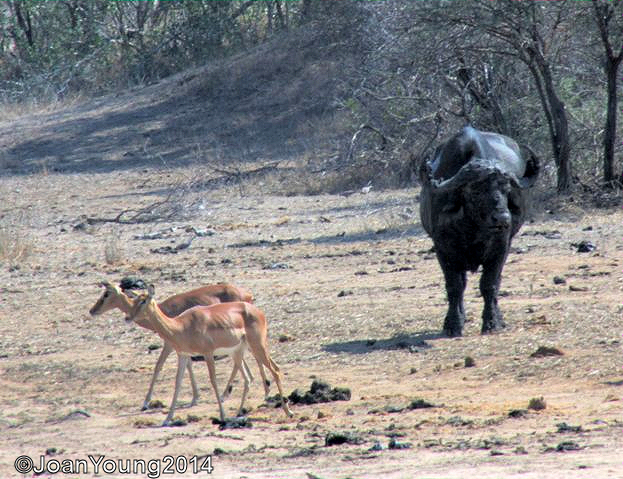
(493,326)
(452,333)
(453,329)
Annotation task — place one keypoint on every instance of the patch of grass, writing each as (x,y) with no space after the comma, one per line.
(15,245)
(113,253)
(537,404)
(142,423)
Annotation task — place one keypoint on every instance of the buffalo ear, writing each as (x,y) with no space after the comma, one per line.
(425,172)
(533,167)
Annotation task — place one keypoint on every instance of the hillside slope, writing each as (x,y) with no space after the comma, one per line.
(274,102)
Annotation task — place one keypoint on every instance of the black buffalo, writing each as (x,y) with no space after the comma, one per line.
(473,201)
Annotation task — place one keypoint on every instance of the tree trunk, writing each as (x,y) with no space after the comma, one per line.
(611,121)
(556,116)
(560,140)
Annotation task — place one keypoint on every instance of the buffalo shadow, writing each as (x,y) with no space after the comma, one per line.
(411,342)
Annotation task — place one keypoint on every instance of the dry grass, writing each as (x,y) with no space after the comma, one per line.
(15,243)
(113,251)
(350,282)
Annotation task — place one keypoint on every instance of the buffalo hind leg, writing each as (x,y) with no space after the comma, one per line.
(455,288)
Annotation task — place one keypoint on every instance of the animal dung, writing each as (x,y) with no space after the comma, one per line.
(239,422)
(320,392)
(584,247)
(338,438)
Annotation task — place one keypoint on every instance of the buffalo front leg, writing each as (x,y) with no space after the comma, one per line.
(492,319)
(455,288)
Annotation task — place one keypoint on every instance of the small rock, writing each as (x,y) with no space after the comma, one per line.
(343,293)
(584,246)
(564,427)
(559,280)
(544,351)
(394,444)
(76,414)
(277,266)
(517,413)
(155,404)
(419,404)
(376,447)
(568,446)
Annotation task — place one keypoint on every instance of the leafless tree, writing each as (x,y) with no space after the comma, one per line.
(609,20)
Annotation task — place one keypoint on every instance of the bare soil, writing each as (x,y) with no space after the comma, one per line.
(353,296)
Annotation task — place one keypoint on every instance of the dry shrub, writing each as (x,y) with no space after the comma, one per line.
(112,250)
(15,245)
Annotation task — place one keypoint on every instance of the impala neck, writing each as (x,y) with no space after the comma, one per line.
(159,322)
(124,303)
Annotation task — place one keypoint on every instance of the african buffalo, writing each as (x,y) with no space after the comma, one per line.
(473,201)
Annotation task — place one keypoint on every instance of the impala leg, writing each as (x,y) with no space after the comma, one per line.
(247,370)
(229,388)
(164,354)
(212,371)
(244,370)
(262,357)
(265,382)
(182,360)
(193,383)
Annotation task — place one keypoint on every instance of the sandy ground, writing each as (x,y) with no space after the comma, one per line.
(353,297)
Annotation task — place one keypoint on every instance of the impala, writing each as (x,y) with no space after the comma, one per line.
(208,330)
(113,297)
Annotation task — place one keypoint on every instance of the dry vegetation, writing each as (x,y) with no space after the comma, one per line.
(152,183)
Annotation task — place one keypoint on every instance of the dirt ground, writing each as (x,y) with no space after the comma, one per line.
(353,297)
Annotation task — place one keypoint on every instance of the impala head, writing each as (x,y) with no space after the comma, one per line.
(110,299)
(142,304)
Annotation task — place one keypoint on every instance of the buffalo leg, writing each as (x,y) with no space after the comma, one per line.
(455,287)
(492,319)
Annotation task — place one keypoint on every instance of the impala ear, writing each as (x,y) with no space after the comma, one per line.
(105,284)
(151,291)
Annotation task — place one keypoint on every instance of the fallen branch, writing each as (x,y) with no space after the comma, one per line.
(363,127)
